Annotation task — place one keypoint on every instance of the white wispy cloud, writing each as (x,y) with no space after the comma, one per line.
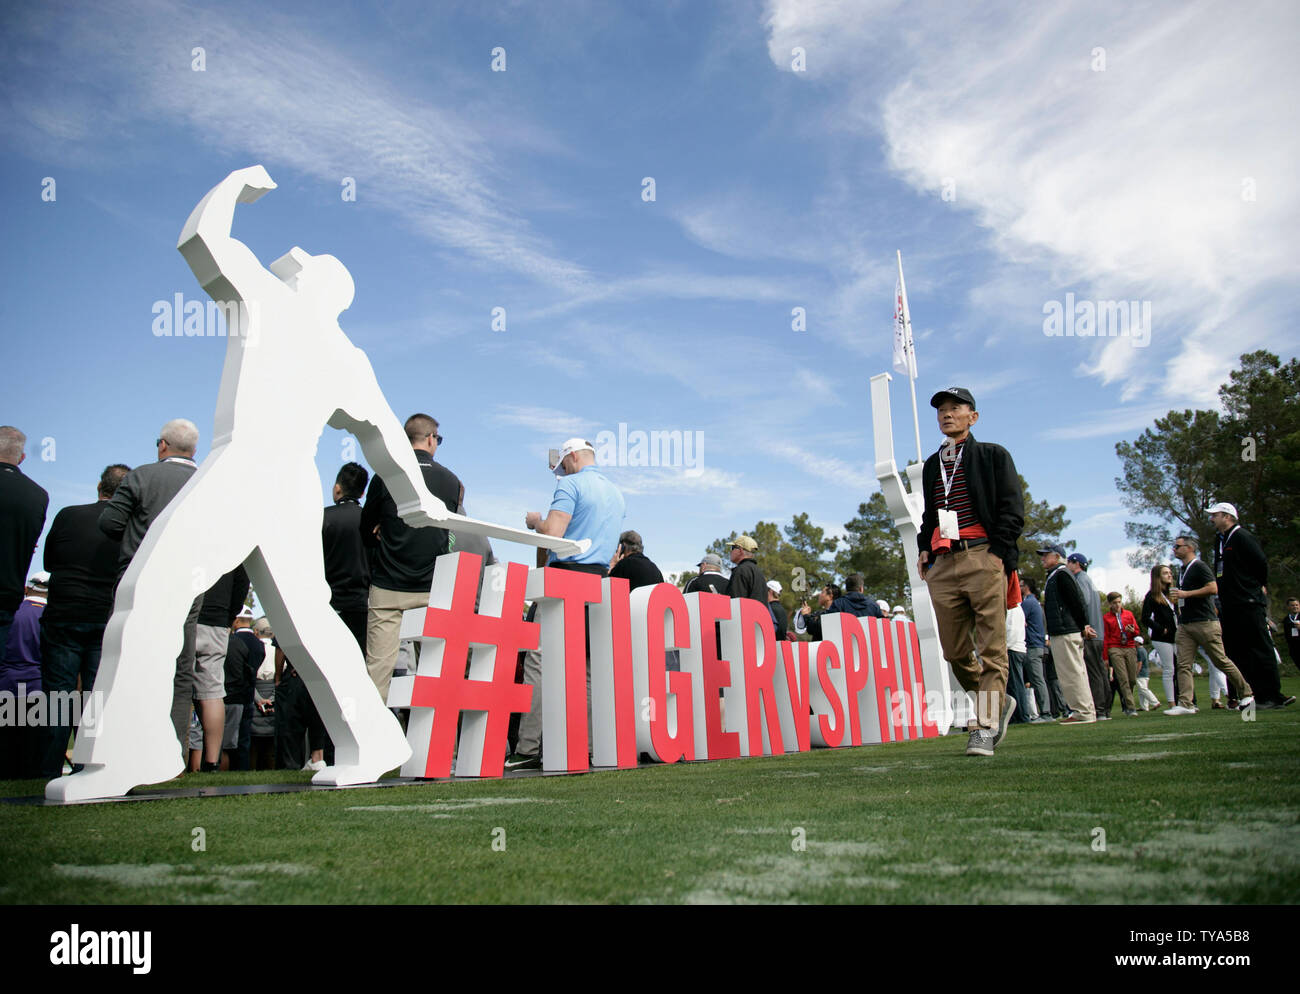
(1089,423)
(858,479)
(1143,180)
(286,94)
(543,420)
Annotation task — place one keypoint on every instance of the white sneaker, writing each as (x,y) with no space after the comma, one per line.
(1178,709)
(316,766)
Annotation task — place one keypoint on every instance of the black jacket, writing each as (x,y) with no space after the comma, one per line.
(747,580)
(406,555)
(638,570)
(82,563)
(225,599)
(1241,567)
(995,496)
(23,504)
(1063,611)
(1158,619)
(858,604)
(347,570)
(707,583)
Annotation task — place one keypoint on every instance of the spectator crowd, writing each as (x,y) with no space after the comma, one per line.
(1024,654)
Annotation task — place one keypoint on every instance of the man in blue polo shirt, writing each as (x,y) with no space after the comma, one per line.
(585,505)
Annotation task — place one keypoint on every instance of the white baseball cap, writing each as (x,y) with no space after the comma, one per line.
(571,446)
(774,586)
(1223,508)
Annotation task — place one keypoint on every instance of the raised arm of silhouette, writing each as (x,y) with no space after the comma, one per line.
(296,304)
(224,265)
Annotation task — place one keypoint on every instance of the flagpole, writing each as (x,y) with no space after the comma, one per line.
(911,358)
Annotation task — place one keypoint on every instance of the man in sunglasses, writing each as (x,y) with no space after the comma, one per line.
(404,556)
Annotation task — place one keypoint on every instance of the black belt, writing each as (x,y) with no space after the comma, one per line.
(962,544)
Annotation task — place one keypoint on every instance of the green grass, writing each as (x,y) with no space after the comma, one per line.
(1202,809)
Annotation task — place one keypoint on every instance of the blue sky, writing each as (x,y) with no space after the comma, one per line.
(1014,153)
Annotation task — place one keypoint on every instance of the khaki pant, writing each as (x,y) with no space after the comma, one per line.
(383,631)
(1124,661)
(1209,636)
(1067,657)
(969,592)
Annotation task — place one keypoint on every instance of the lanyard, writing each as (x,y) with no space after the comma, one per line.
(1223,539)
(948,481)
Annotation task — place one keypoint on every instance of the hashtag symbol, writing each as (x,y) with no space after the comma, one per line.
(489,695)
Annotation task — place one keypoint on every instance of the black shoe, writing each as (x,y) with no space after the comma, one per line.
(206,767)
(521,762)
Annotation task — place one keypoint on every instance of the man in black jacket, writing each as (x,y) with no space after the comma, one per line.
(347,570)
(23,504)
(974,513)
(403,567)
(632,564)
(82,563)
(710,579)
(1241,570)
(747,579)
(1067,625)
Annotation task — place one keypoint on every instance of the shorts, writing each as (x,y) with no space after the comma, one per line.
(210,643)
(229,735)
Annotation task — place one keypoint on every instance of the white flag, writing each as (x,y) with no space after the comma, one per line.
(904,351)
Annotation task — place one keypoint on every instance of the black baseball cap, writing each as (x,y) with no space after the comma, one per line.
(1052,547)
(959,394)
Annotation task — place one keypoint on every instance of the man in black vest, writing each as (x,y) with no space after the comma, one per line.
(974,513)
(403,567)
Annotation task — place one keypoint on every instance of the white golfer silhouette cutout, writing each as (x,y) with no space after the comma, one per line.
(289,370)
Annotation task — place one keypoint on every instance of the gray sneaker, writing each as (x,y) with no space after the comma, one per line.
(981,742)
(1008,709)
